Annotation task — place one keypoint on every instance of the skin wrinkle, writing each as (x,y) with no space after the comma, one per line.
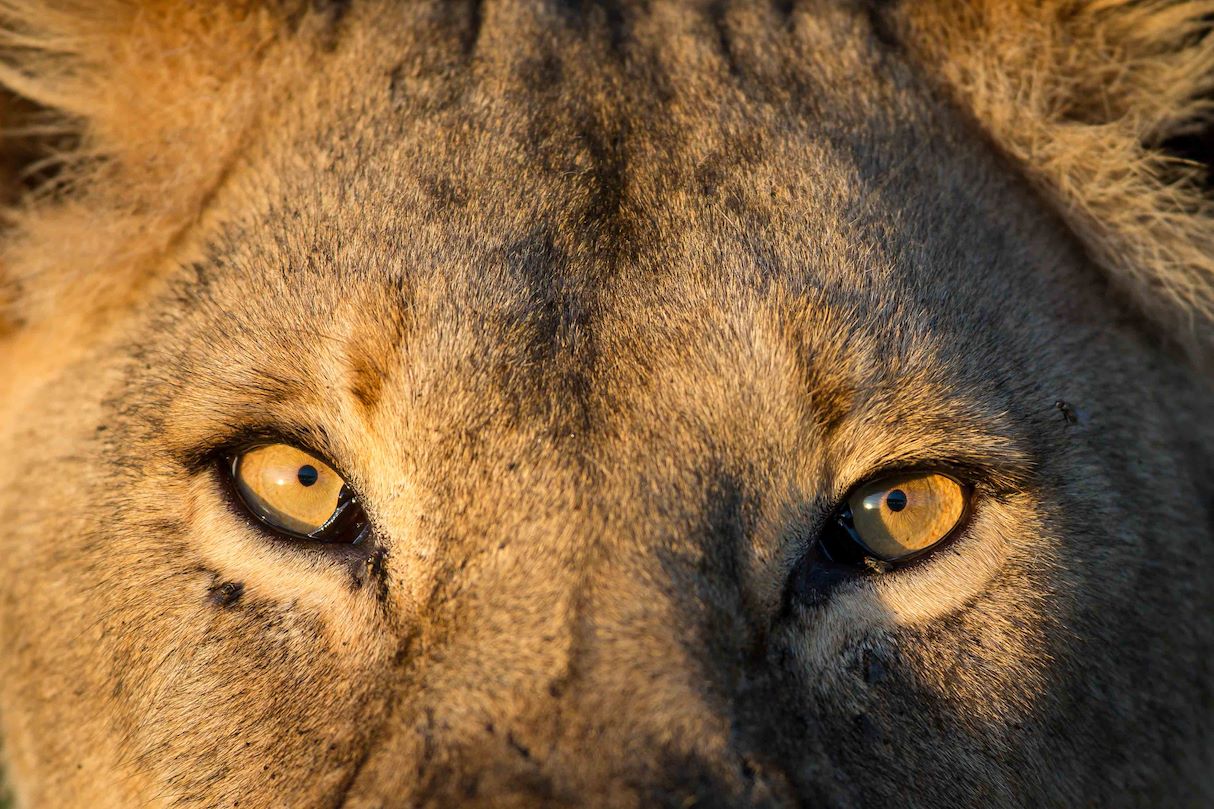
(602,308)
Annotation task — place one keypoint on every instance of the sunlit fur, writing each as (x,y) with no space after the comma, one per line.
(603,308)
(1083,93)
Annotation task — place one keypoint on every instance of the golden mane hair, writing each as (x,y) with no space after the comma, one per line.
(153,100)
(1083,94)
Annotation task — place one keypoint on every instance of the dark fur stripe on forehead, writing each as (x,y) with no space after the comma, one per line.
(373,355)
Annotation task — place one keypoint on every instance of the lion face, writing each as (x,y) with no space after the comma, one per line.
(602,326)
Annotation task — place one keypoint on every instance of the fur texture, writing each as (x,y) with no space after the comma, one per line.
(1085,94)
(603,308)
(150,102)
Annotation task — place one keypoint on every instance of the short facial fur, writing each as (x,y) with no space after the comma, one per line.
(602,308)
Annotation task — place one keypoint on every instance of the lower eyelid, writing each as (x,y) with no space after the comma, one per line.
(359,550)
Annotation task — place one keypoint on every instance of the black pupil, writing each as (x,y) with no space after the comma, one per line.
(896,500)
(308,475)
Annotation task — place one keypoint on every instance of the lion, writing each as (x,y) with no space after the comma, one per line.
(548,403)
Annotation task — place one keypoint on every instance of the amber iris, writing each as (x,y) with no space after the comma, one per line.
(901,516)
(288,488)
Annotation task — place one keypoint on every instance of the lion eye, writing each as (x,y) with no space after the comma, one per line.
(898,517)
(295,493)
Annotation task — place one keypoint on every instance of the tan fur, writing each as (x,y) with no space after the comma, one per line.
(159,96)
(603,308)
(1083,93)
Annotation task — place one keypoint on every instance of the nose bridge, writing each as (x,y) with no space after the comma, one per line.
(595,645)
(656,619)
(603,609)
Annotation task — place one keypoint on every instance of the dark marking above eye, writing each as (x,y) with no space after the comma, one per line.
(336,9)
(375,348)
(869,731)
(874,667)
(608,19)
(718,17)
(444,192)
(366,384)
(474,13)
(543,73)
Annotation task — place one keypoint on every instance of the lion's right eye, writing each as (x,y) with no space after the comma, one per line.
(900,517)
(295,493)
(887,521)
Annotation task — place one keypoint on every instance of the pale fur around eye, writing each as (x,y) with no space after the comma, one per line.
(288,488)
(901,516)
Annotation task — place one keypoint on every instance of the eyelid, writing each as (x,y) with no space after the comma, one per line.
(998,481)
(846,519)
(313,440)
(827,533)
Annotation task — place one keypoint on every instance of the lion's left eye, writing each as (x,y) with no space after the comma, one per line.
(296,494)
(898,517)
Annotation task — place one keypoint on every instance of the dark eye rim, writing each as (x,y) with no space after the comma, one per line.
(841,524)
(834,559)
(348,525)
